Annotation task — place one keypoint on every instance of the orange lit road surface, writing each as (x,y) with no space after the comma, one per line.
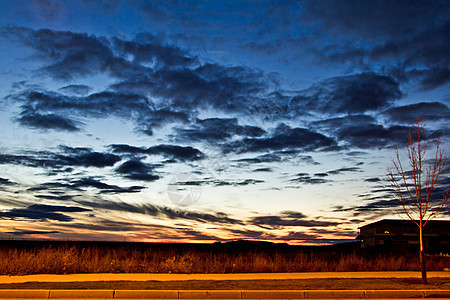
(218,294)
(235,276)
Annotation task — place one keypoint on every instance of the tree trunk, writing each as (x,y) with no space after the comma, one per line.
(424,271)
(422,256)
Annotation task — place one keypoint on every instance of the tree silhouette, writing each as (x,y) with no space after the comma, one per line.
(416,189)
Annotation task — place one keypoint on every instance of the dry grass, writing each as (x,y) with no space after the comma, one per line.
(71,259)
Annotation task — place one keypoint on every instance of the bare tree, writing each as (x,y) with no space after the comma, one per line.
(415,189)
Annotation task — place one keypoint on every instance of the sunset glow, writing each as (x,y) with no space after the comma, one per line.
(206,121)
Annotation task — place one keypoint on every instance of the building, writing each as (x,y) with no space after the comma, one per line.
(404,234)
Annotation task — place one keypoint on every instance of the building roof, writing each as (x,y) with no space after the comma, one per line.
(439,223)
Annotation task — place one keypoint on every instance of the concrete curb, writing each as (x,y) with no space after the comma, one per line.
(24,293)
(222,294)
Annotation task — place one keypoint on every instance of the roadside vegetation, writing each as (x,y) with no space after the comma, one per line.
(95,259)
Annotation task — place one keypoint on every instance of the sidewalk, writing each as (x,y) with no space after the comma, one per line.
(222,294)
(234,276)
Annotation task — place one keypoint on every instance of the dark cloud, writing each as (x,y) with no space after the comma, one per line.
(110,226)
(377,205)
(264,158)
(76,89)
(428,111)
(413,47)
(263,170)
(373,206)
(356,93)
(154,210)
(180,153)
(174,75)
(72,157)
(31,161)
(305,178)
(38,103)
(187,85)
(31,232)
(127,149)
(434,77)
(176,152)
(284,137)
(373,136)
(287,219)
(74,150)
(419,56)
(147,209)
(296,235)
(200,235)
(92,159)
(47,121)
(209,86)
(321,174)
(237,183)
(160,117)
(71,54)
(218,129)
(135,230)
(147,48)
(5,181)
(252,234)
(277,221)
(429,47)
(344,170)
(293,214)
(163,115)
(382,199)
(133,166)
(55,197)
(199,216)
(373,179)
(112,103)
(361,131)
(90,182)
(278,156)
(81,184)
(218,182)
(137,170)
(383,194)
(42,212)
(334,124)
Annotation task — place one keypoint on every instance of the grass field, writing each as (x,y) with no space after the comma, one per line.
(67,259)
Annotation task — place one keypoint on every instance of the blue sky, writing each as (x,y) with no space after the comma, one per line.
(211,121)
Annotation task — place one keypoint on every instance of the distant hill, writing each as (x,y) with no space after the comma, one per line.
(232,246)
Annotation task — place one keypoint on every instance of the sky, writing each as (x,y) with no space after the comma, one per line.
(204,121)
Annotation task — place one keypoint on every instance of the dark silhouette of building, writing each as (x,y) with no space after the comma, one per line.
(404,234)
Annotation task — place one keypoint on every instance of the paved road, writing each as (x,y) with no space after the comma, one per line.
(240,276)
